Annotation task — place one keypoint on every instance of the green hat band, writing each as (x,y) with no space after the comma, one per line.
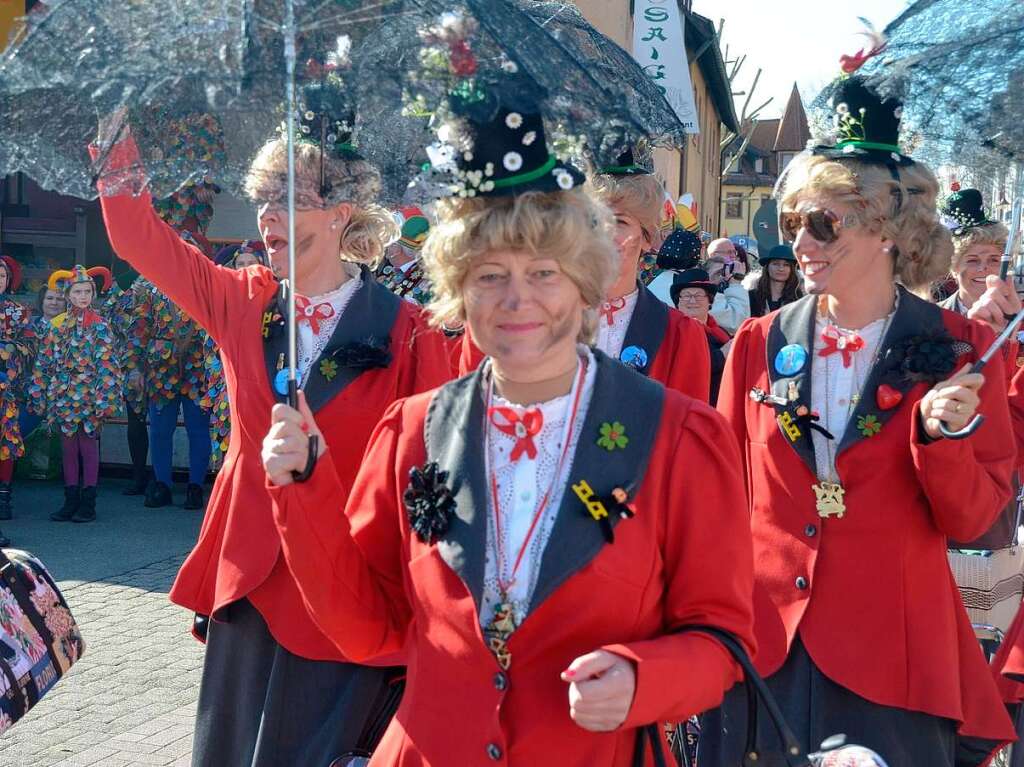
(528,176)
(869,145)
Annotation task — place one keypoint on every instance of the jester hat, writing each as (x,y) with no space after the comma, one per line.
(63,279)
(415,227)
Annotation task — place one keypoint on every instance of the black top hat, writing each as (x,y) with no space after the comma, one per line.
(965,209)
(627,164)
(867,126)
(326,113)
(680,250)
(692,278)
(778,253)
(505,153)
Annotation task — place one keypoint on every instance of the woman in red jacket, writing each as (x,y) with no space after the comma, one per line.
(635,326)
(836,401)
(536,532)
(275,690)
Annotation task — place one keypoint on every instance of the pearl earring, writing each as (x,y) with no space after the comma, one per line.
(334,225)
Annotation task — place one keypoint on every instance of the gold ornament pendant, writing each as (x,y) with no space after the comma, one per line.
(498,631)
(830,499)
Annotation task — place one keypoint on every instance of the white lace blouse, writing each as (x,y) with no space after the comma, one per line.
(611,337)
(310,344)
(521,486)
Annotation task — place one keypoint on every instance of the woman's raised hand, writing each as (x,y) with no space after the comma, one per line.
(113,128)
(996,304)
(954,402)
(286,446)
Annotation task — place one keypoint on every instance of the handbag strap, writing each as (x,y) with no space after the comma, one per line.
(756,688)
(644,734)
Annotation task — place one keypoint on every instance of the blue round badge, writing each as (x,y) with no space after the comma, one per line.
(281,382)
(635,357)
(790,360)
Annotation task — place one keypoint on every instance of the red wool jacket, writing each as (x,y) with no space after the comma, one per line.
(238,553)
(374,586)
(871,594)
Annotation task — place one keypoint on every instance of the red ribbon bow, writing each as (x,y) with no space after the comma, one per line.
(608,309)
(307,311)
(524,429)
(836,340)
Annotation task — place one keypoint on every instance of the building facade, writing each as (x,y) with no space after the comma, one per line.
(749,180)
(695,170)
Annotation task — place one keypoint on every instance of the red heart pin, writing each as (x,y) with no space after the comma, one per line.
(888,397)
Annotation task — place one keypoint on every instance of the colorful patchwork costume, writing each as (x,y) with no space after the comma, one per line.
(169,348)
(17,345)
(76,385)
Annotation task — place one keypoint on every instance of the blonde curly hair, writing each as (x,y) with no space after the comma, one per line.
(902,211)
(993,233)
(642,196)
(370,229)
(571,227)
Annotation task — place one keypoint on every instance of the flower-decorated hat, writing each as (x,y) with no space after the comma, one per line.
(63,279)
(13,274)
(963,210)
(498,151)
(865,126)
(414,227)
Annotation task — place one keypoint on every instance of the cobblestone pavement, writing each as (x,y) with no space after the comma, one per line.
(131,700)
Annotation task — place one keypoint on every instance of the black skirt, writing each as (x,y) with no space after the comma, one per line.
(262,706)
(817,708)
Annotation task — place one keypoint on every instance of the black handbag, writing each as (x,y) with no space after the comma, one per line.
(756,689)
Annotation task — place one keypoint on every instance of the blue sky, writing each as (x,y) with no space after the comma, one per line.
(793,40)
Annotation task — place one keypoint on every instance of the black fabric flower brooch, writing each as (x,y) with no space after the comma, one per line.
(363,355)
(926,358)
(429,502)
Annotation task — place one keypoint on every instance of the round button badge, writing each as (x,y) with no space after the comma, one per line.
(790,360)
(281,382)
(635,357)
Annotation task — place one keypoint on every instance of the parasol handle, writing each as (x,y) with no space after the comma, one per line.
(307,471)
(977,367)
(1011,241)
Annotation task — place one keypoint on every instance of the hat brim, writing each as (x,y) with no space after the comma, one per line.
(880,156)
(763,260)
(710,288)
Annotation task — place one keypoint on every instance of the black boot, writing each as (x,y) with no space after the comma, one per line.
(5,501)
(194,497)
(67,511)
(87,506)
(139,483)
(158,495)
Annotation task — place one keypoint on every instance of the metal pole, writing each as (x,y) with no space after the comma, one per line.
(289,65)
